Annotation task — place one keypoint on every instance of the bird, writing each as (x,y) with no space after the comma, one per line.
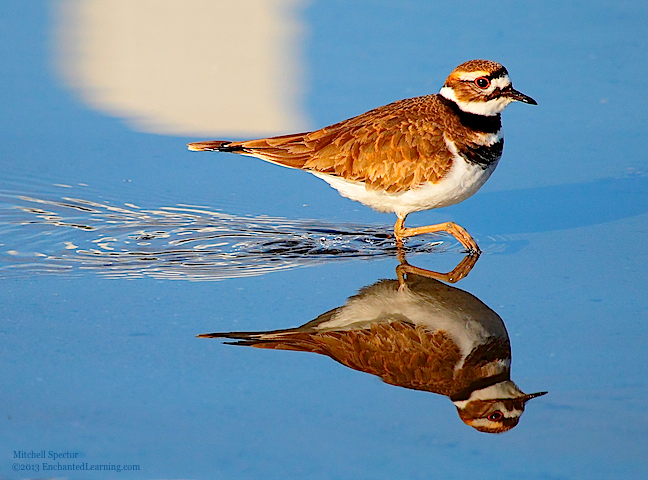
(418,333)
(410,155)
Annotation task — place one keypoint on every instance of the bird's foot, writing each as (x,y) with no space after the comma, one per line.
(457,231)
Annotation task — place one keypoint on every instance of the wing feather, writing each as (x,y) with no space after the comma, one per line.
(392,148)
(399,353)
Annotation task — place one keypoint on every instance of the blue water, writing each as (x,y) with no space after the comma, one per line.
(118,247)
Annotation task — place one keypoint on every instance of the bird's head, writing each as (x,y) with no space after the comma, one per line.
(482,87)
(494,409)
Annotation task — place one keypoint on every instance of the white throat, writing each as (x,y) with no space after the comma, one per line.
(489,108)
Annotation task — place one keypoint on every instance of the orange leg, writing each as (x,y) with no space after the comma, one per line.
(400,232)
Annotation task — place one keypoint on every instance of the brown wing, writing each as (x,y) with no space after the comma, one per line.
(392,148)
(398,352)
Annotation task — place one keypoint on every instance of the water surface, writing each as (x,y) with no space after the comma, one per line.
(118,246)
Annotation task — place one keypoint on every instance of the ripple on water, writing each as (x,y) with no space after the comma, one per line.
(48,234)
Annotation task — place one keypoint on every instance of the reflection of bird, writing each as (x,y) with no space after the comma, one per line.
(425,335)
(411,155)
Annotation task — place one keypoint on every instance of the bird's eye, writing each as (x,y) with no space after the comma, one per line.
(495,416)
(482,82)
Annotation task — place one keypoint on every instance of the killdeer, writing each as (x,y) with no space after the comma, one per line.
(411,155)
(421,334)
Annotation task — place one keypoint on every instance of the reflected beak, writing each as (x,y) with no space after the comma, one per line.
(200,146)
(518,97)
(526,398)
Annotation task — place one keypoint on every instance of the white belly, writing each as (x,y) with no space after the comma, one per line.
(463,180)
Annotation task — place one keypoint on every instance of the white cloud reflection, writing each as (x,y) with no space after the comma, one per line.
(196,67)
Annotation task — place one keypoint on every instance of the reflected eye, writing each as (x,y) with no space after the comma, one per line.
(482,82)
(495,416)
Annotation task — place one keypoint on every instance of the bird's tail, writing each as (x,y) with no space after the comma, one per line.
(290,339)
(286,150)
(243,338)
(214,146)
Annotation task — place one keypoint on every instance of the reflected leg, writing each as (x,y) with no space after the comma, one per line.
(460,271)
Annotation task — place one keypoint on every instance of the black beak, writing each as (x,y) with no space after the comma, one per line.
(518,96)
(526,398)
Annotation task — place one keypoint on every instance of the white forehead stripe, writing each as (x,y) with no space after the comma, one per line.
(501,81)
(471,76)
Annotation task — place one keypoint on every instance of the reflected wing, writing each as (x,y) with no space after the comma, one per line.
(398,352)
(392,148)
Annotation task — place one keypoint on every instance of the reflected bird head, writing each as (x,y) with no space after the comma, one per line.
(494,409)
